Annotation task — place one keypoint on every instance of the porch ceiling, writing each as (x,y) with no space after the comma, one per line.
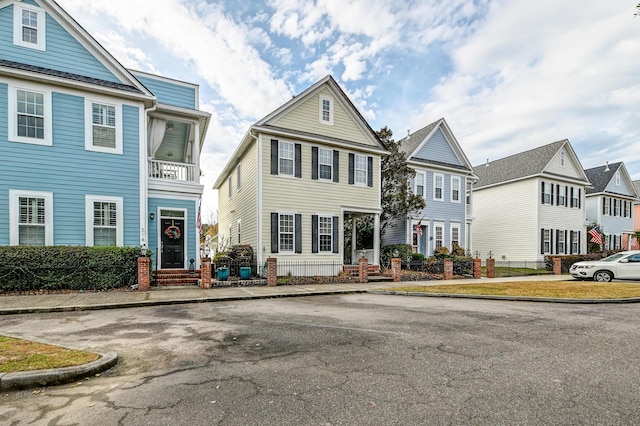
(175,143)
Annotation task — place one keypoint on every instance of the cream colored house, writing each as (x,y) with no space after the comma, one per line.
(297,175)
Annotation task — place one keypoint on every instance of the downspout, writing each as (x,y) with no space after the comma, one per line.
(259,247)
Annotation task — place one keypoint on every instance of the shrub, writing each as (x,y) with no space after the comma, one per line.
(568,260)
(404,253)
(442,252)
(29,268)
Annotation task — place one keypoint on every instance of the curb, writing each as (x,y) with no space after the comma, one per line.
(509,298)
(56,376)
(140,304)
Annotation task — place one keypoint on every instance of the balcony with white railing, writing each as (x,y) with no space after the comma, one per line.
(172,171)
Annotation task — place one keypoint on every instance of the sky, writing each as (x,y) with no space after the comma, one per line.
(507,75)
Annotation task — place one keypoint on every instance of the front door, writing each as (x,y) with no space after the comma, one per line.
(172,256)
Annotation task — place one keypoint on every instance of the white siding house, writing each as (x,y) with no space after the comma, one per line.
(531,204)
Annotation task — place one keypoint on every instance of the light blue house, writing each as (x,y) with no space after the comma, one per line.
(609,203)
(93,153)
(444,178)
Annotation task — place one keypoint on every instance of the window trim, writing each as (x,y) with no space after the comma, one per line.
(424,184)
(13,113)
(452,226)
(293,233)
(320,164)
(560,241)
(321,119)
(88,126)
(292,159)
(14,214)
(331,232)
(435,186)
(356,169)
(88,214)
(546,242)
(41,28)
(459,180)
(437,225)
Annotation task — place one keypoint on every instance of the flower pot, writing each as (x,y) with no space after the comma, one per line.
(245,273)
(223,274)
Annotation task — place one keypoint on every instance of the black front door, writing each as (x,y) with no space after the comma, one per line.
(172,256)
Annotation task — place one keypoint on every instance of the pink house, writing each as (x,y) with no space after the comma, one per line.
(635,245)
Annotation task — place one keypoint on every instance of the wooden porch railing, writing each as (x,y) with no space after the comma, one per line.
(166,170)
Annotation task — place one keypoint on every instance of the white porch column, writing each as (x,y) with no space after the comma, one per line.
(354,235)
(376,239)
(195,150)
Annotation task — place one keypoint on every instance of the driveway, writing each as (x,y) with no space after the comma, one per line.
(351,359)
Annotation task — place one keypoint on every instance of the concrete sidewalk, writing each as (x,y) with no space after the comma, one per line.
(176,295)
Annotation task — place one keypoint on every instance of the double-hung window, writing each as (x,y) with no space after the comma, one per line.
(420,183)
(438,187)
(238,177)
(104,221)
(103,129)
(325,233)
(30,115)
(455,189)
(439,235)
(562,190)
(561,239)
(616,207)
(30,218)
(325,163)
(29,26)
(546,241)
(360,169)
(606,206)
(575,193)
(575,249)
(455,235)
(286,156)
(286,229)
(326,110)
(547,195)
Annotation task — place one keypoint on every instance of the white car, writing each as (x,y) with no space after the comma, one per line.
(624,266)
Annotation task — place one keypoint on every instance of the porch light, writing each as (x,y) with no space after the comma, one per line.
(490,254)
(143,250)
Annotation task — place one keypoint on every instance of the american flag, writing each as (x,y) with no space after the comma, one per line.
(596,237)
(199,219)
(418,229)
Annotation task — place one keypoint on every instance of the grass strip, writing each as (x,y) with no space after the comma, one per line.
(552,289)
(25,355)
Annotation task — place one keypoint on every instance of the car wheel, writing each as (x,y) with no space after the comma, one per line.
(603,276)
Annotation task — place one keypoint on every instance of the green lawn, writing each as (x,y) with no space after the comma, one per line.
(24,355)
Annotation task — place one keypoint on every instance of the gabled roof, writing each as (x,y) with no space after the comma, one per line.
(636,185)
(602,176)
(266,124)
(414,142)
(525,165)
(128,82)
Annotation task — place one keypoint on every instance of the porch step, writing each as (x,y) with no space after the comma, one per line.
(175,277)
(354,270)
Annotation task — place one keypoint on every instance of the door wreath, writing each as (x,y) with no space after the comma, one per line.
(172,232)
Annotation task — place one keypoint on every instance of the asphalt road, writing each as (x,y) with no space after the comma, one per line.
(343,360)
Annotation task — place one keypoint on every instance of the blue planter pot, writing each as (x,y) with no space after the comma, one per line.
(245,273)
(223,274)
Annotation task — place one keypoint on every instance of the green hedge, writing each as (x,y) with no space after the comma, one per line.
(405,253)
(568,260)
(53,268)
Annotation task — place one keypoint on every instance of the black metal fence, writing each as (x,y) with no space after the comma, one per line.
(519,268)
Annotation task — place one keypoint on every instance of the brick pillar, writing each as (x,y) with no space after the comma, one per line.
(557,266)
(448,269)
(205,272)
(477,268)
(363,270)
(143,273)
(396,269)
(491,268)
(272,272)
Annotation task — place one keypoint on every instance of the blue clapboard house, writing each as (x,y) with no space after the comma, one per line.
(93,153)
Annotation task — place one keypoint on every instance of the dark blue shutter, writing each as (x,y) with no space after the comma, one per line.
(314,233)
(566,235)
(369,171)
(579,197)
(274,233)
(571,242)
(558,195)
(578,243)
(557,241)
(334,239)
(566,196)
(572,198)
(336,166)
(274,157)
(352,160)
(604,201)
(542,193)
(551,239)
(314,163)
(298,234)
(298,162)
(551,194)
(542,240)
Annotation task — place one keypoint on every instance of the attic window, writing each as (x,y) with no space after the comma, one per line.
(617,178)
(562,159)
(29,26)
(326,110)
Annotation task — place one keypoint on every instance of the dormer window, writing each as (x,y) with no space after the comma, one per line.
(29,26)
(326,110)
